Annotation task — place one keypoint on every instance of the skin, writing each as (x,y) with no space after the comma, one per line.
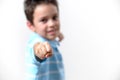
(45,23)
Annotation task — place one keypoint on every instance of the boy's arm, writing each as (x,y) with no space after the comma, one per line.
(42,50)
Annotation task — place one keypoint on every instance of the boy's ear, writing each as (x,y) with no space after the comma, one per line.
(30,26)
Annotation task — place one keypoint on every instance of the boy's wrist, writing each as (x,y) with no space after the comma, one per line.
(40,60)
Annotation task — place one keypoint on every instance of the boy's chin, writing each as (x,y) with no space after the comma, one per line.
(52,38)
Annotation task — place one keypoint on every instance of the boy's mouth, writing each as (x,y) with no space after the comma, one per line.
(52,32)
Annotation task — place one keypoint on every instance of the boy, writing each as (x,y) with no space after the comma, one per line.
(43,60)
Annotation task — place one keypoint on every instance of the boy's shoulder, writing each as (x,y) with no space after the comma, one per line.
(34,38)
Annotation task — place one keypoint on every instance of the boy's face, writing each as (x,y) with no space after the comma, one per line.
(46,21)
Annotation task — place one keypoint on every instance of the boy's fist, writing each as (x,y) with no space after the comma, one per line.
(43,50)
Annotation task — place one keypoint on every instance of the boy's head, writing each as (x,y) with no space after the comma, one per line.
(30,5)
(43,17)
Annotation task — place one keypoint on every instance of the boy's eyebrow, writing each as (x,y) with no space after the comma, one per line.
(45,16)
(56,14)
(34,0)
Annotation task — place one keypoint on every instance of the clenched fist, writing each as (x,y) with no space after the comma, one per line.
(43,50)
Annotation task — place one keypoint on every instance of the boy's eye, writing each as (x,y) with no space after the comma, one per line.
(55,17)
(43,20)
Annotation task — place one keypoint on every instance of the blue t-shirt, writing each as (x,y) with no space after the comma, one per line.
(48,69)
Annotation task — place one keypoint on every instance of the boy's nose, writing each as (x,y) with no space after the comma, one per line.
(51,23)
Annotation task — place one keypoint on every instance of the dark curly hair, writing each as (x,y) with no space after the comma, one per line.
(30,5)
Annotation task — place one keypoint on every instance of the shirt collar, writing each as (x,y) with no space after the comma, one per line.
(53,43)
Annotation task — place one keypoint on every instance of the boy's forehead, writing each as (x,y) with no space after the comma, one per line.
(46,9)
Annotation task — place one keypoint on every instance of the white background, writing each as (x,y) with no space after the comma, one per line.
(91,48)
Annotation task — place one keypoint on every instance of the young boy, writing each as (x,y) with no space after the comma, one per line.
(43,59)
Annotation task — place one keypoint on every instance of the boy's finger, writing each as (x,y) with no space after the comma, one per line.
(39,50)
(48,55)
(36,48)
(42,53)
(48,47)
(43,50)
